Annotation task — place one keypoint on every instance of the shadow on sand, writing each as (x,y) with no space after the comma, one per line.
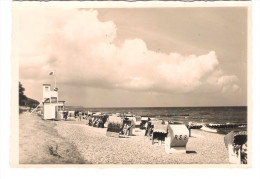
(191,152)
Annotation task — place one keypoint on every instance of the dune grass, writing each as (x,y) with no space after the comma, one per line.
(39,143)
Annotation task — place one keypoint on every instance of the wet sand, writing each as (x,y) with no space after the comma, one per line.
(90,145)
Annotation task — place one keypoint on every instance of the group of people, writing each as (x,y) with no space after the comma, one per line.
(149,127)
(97,121)
(76,114)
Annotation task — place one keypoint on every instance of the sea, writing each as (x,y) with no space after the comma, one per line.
(216,115)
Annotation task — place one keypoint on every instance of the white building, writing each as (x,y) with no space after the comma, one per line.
(51,105)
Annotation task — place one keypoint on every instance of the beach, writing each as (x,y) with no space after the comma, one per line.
(37,136)
(79,143)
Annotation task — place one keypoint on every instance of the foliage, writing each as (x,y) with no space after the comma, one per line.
(24,100)
(32,103)
(22,97)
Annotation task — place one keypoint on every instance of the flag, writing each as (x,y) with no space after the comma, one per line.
(51,73)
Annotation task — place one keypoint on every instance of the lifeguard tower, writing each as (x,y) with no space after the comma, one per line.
(51,105)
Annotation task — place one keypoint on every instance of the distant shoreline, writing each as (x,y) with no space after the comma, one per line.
(157,107)
(219,115)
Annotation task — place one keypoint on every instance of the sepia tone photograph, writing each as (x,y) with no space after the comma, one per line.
(132,85)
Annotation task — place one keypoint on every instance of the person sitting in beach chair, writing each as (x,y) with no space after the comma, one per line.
(125,129)
(244,153)
(100,123)
(104,118)
(131,127)
(95,122)
(124,126)
(128,127)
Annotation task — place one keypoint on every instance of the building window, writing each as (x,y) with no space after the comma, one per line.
(53,99)
(60,108)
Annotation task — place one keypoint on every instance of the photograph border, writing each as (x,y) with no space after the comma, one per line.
(14,127)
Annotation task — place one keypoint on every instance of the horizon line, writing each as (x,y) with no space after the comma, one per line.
(159,106)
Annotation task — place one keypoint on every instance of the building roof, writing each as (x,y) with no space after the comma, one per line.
(55,102)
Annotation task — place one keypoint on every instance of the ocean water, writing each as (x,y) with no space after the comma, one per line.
(219,115)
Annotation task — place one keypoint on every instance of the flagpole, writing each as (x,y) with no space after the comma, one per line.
(56,86)
(55,81)
(55,77)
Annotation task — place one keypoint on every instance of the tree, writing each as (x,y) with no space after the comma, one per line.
(22,97)
(32,103)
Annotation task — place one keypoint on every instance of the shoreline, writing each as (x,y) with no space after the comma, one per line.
(200,115)
(156,107)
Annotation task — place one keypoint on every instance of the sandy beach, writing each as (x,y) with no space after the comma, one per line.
(37,136)
(78,143)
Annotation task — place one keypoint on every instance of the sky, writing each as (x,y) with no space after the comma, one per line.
(134,57)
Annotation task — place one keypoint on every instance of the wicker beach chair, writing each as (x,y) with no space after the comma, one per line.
(159,132)
(114,126)
(234,142)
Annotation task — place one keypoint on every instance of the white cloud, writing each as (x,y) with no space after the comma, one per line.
(81,50)
(228,83)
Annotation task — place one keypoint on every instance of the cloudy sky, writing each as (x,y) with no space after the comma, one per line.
(134,57)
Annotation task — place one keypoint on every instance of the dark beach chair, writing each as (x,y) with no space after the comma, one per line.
(159,132)
(234,142)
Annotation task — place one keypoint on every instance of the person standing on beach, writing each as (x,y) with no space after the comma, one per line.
(132,126)
(189,127)
(80,116)
(148,127)
(90,121)
(65,115)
